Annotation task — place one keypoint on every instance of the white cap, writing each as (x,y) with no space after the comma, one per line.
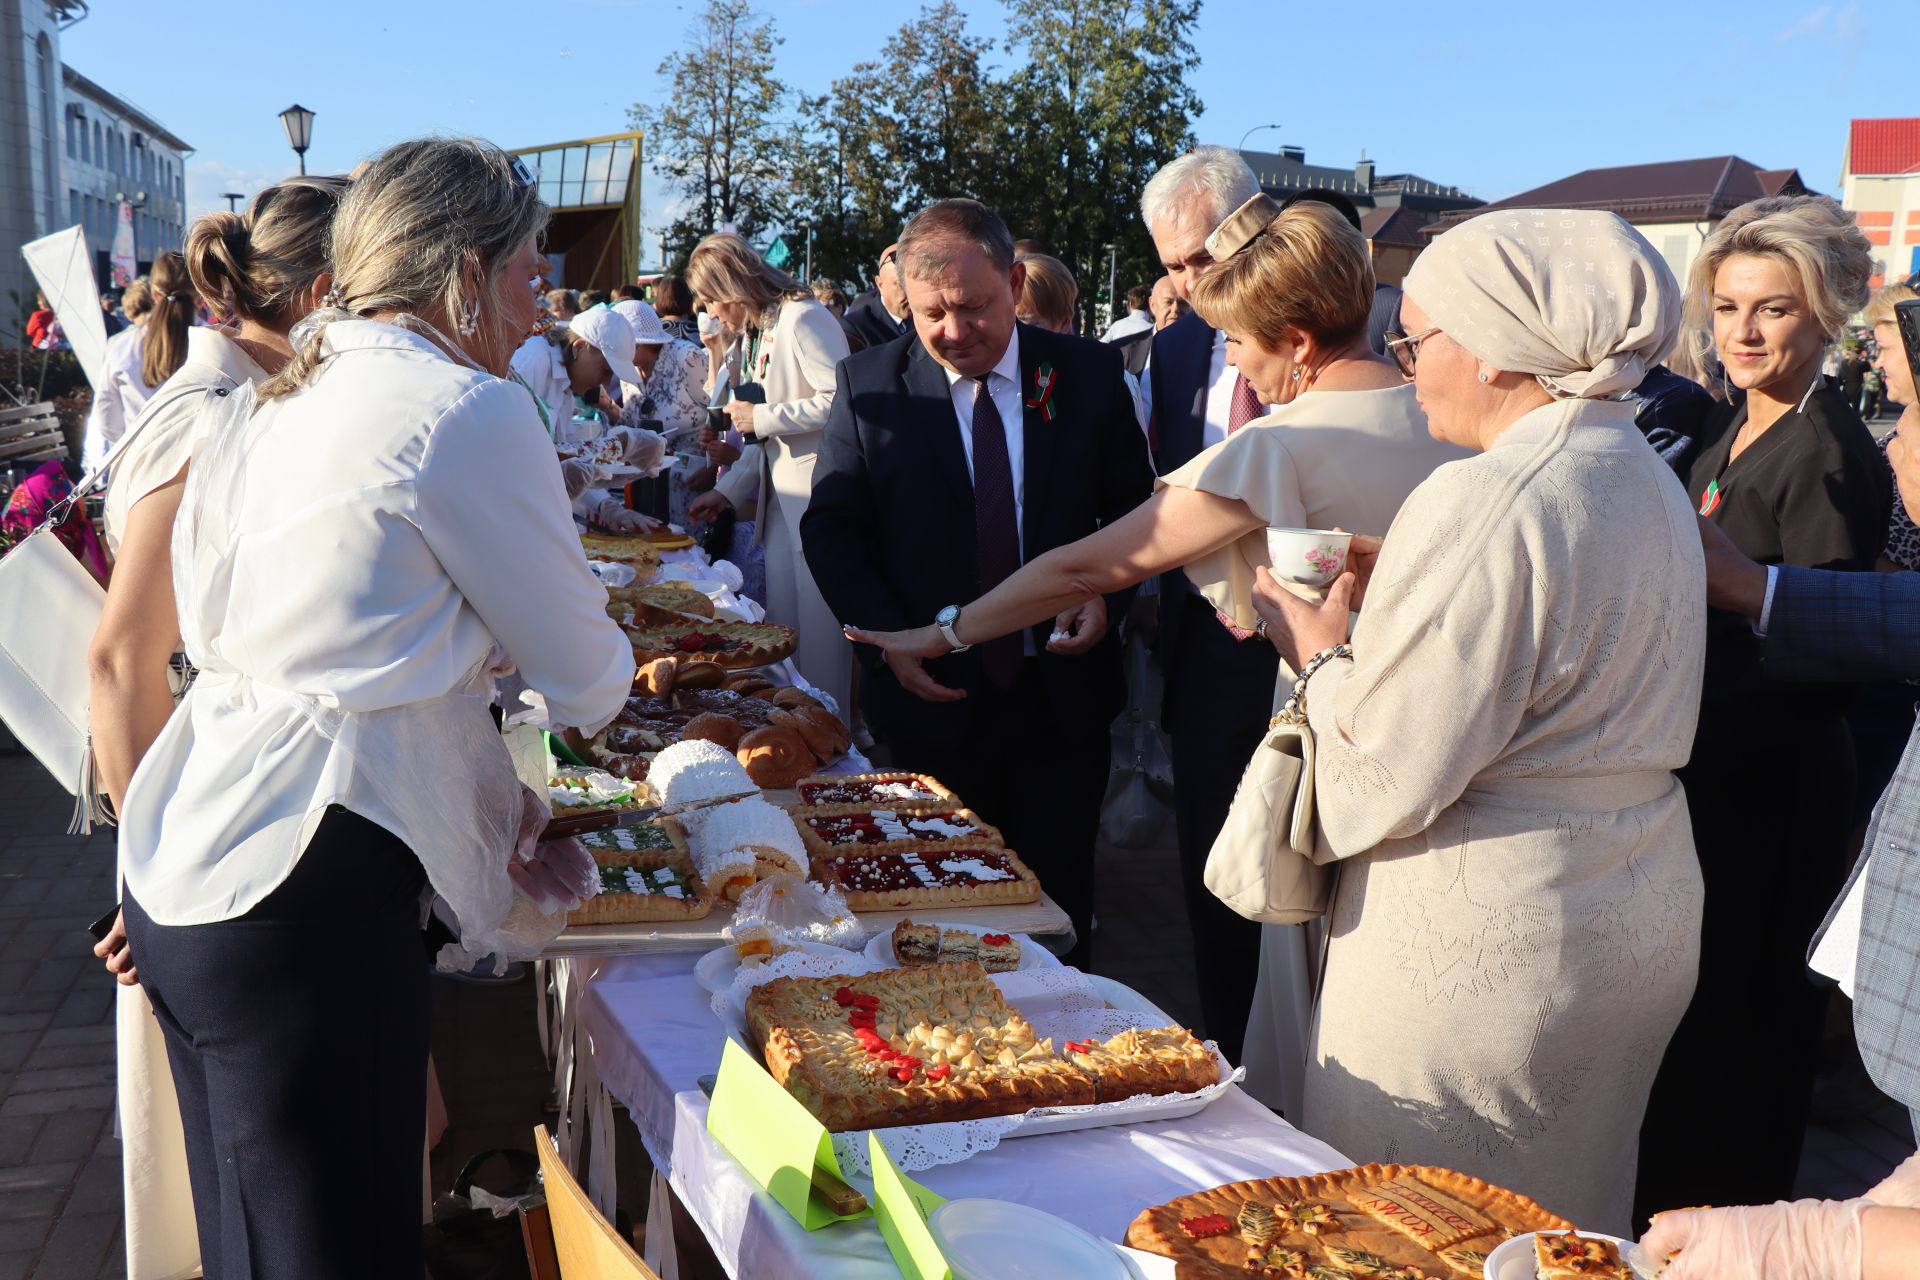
(608,332)
(645,321)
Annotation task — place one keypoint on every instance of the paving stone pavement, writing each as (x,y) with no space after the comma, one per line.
(60,1162)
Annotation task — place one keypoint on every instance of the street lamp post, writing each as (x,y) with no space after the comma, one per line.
(1249,133)
(1113,264)
(233,199)
(299,125)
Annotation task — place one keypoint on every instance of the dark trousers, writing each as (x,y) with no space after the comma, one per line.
(297,1034)
(1038,780)
(1219,700)
(1768,797)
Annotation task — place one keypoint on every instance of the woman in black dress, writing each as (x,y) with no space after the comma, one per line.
(1792,477)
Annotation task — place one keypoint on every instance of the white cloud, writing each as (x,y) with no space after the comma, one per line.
(208,179)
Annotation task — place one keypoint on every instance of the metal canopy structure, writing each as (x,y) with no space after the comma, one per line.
(593,187)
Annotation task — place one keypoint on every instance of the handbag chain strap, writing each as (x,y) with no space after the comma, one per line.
(1294,710)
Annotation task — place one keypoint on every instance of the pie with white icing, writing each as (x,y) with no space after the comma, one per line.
(1391,1222)
(898,791)
(959,875)
(645,875)
(940,1042)
(850,828)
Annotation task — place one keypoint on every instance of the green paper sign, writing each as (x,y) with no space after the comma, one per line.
(901,1206)
(775,1139)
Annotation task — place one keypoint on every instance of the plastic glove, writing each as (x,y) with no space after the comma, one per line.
(618,519)
(559,876)
(1804,1240)
(1901,1188)
(578,477)
(646,450)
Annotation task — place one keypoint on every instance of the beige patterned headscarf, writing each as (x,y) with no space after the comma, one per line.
(1577,298)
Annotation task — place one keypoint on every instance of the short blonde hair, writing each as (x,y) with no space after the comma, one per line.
(137,299)
(1812,237)
(1050,291)
(1880,306)
(725,268)
(1309,270)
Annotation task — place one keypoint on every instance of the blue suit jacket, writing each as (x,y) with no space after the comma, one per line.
(1182,356)
(1866,626)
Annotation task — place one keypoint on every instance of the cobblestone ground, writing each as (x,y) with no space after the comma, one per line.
(60,1161)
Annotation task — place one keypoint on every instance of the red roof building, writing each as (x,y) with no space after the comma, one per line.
(1880,182)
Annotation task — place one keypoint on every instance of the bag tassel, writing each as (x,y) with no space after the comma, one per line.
(90,805)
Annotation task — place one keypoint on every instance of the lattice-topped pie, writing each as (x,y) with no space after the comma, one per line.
(1390,1222)
(917,1046)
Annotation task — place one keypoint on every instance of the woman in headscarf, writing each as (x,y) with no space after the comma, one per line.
(1516,922)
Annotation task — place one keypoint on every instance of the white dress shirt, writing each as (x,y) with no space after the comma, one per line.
(169,424)
(396,538)
(1003,384)
(1131,323)
(120,397)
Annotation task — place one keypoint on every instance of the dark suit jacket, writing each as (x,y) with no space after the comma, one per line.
(1134,350)
(1828,625)
(1182,355)
(889,531)
(870,320)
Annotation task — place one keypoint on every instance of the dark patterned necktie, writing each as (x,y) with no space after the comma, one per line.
(996,535)
(1246,404)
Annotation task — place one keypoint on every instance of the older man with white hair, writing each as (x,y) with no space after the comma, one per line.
(1219,681)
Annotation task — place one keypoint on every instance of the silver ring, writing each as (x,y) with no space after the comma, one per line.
(1260,628)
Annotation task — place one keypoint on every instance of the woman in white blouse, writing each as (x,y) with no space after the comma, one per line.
(792,344)
(359,565)
(145,355)
(262,271)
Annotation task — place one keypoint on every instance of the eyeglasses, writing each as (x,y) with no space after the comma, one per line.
(1405,349)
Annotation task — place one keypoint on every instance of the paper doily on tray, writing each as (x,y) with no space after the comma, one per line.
(922,1146)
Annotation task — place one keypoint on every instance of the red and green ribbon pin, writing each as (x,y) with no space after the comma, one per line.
(1710,500)
(1042,397)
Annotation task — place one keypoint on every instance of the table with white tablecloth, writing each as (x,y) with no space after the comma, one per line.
(651,1035)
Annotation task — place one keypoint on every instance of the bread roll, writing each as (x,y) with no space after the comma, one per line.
(776,756)
(714,727)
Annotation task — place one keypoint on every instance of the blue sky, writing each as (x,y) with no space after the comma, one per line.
(1496,97)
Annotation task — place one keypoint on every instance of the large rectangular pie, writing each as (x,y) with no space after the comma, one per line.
(958,875)
(831,829)
(646,874)
(1394,1222)
(898,791)
(940,1042)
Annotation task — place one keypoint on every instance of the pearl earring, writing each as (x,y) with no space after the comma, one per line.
(468,322)
(1483,377)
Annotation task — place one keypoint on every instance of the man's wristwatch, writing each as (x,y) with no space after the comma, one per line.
(947,619)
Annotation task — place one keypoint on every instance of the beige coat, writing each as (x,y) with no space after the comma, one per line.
(1515,933)
(797,370)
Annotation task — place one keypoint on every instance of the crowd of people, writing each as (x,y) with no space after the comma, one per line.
(1603,702)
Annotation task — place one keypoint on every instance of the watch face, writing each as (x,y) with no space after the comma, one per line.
(947,616)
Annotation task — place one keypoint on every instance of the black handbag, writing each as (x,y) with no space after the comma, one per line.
(468,1243)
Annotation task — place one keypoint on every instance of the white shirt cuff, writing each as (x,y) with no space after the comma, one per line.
(1766,605)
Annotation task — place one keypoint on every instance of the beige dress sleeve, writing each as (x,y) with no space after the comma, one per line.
(1254,466)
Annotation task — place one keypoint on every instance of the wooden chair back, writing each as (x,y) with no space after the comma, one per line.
(586,1245)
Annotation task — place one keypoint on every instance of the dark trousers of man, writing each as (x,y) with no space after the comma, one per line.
(1219,700)
(297,1034)
(1038,780)
(1729,1107)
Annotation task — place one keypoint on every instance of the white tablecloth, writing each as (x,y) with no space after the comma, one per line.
(653,1037)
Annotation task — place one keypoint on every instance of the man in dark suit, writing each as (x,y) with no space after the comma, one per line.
(1219,684)
(881,316)
(953,456)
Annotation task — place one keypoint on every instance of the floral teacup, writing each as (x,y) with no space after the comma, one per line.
(1308,557)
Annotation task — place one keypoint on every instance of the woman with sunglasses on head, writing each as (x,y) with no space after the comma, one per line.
(1791,476)
(1291,290)
(364,561)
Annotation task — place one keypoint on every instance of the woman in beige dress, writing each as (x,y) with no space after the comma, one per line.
(1515,930)
(792,346)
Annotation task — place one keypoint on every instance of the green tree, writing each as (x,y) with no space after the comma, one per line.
(719,136)
(1099,102)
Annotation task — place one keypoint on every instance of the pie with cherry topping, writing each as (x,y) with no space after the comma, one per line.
(847,828)
(940,1042)
(1385,1221)
(898,791)
(954,876)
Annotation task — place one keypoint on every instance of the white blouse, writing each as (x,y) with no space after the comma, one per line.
(397,537)
(121,397)
(168,425)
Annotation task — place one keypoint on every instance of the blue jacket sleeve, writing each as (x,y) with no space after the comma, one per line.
(1828,625)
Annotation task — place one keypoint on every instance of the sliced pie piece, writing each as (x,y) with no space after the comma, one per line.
(1576,1257)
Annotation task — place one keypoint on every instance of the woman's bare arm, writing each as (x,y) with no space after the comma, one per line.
(138,634)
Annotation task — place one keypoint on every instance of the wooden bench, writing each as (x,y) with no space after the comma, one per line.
(29,436)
